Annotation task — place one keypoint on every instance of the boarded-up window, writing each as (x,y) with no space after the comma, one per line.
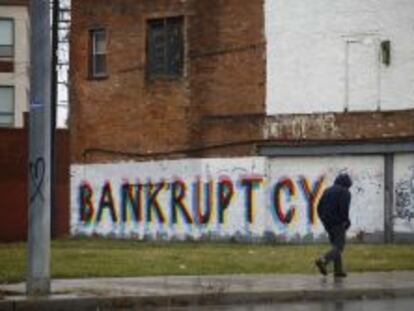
(6,106)
(363,76)
(97,61)
(165,47)
(6,38)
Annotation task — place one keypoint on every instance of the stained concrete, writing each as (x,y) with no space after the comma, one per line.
(150,292)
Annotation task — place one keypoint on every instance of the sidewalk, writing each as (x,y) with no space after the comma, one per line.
(133,293)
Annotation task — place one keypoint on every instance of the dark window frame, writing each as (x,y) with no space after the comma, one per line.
(92,55)
(12,113)
(165,67)
(13,43)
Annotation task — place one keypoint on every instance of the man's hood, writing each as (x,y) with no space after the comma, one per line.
(343,180)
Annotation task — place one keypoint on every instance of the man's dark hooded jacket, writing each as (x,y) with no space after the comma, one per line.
(333,207)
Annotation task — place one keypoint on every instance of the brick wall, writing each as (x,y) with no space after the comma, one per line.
(341,126)
(227,74)
(224,76)
(14,187)
(133,114)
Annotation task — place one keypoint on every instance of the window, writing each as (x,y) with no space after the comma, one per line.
(165,47)
(6,106)
(97,61)
(6,38)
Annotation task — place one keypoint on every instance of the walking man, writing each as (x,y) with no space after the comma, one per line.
(333,211)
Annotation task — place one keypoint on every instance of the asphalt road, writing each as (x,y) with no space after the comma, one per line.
(356,305)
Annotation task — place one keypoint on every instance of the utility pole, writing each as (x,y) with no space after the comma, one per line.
(38,272)
(54,101)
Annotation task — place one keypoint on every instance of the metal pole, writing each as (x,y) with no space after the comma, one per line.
(388,197)
(38,272)
(54,98)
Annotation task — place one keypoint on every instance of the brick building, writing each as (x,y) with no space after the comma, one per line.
(131,110)
(221,96)
(217,79)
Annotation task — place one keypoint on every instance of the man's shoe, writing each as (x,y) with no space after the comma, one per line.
(321,266)
(340,274)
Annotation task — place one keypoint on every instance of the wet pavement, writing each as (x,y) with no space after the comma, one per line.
(195,291)
(353,305)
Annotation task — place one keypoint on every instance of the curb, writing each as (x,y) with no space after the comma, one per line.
(185,300)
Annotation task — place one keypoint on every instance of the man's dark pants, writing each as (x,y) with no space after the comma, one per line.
(337,238)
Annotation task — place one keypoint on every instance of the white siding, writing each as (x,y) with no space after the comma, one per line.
(311,68)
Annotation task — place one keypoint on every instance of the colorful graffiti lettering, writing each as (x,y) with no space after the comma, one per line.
(86,211)
(146,202)
(131,197)
(152,201)
(202,217)
(311,195)
(225,192)
(131,200)
(178,193)
(250,184)
(286,187)
(107,202)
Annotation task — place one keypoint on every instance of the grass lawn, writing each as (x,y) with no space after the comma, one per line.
(99,258)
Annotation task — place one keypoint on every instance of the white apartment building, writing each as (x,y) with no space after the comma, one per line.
(14,63)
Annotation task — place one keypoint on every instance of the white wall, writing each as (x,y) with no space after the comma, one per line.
(367,204)
(20,77)
(302,174)
(324,55)
(188,171)
(404,194)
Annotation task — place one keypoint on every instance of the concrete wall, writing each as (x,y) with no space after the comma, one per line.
(324,56)
(403,214)
(307,177)
(206,208)
(20,77)
(252,198)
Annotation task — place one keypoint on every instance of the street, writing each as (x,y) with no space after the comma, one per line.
(406,304)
